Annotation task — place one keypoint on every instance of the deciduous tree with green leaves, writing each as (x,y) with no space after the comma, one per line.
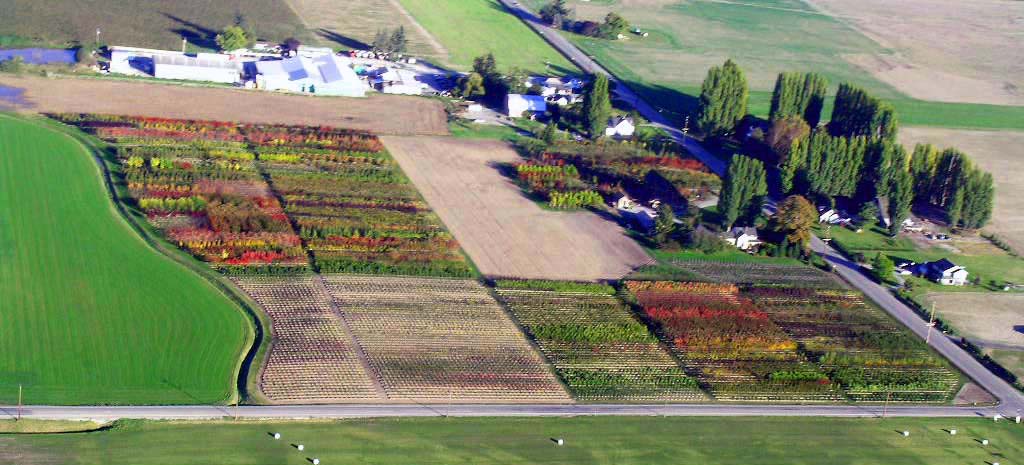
(795,218)
(723,99)
(233,38)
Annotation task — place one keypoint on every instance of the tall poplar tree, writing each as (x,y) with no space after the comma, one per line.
(743,189)
(723,99)
(597,106)
(799,94)
(858,113)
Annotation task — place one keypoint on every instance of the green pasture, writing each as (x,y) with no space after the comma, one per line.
(513,441)
(146,23)
(470,28)
(997,265)
(764,37)
(89,313)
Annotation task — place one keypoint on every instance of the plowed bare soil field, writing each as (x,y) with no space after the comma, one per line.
(382,114)
(505,233)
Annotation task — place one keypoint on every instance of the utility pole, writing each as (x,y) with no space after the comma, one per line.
(19,402)
(184,44)
(97,37)
(885,407)
(931,324)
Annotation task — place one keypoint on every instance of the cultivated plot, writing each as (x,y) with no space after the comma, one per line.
(312,358)
(441,340)
(506,234)
(600,350)
(382,114)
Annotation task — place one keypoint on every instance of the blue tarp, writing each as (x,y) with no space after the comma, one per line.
(40,56)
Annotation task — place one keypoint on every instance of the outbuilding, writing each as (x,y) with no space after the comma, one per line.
(209,67)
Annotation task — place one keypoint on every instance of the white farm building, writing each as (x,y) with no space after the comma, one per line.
(322,75)
(209,67)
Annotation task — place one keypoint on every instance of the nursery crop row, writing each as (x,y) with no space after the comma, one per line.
(792,344)
(358,213)
(334,196)
(598,348)
(311,359)
(434,340)
(757,273)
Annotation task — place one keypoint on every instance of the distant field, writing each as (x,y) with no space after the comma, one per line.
(997,318)
(355,24)
(764,37)
(91,314)
(470,28)
(146,23)
(515,441)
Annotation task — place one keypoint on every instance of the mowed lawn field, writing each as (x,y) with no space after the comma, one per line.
(764,37)
(146,23)
(470,28)
(514,441)
(89,313)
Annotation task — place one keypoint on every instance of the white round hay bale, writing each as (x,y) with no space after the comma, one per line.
(560,441)
(316,461)
(984,442)
(301,447)
(1017,419)
(906,433)
(277,435)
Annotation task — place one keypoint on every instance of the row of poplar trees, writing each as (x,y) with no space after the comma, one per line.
(855,155)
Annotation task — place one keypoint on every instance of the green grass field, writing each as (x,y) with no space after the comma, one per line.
(764,37)
(149,23)
(470,28)
(92,314)
(513,441)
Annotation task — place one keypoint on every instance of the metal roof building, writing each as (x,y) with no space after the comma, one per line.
(322,75)
(202,67)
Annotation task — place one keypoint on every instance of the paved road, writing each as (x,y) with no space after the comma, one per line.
(369,411)
(623,91)
(1011,398)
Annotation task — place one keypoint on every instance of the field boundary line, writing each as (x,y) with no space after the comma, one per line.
(438,46)
(364,360)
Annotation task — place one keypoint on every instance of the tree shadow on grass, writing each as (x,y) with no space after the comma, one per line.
(342,40)
(672,103)
(196,34)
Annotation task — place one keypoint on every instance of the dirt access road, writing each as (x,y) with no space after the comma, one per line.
(505,233)
(382,114)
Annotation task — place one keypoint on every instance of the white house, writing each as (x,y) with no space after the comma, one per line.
(945,272)
(620,127)
(743,238)
(517,104)
(322,75)
(210,67)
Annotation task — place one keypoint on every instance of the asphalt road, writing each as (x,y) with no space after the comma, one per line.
(375,411)
(623,91)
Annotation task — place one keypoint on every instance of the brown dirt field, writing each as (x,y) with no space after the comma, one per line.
(985,316)
(505,233)
(972,394)
(382,114)
(943,50)
(997,152)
